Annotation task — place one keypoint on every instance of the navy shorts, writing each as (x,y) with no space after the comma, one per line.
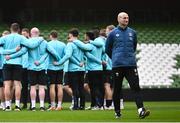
(55,76)
(37,77)
(12,72)
(107,76)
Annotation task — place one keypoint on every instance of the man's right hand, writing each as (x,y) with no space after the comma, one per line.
(7,57)
(55,63)
(18,48)
(104,63)
(81,64)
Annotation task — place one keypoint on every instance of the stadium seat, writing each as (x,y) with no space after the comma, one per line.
(156,64)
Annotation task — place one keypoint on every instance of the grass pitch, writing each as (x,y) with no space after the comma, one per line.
(160,112)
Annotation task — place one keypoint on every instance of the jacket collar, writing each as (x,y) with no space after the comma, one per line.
(120,28)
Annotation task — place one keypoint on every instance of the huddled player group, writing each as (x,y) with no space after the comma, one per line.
(97,65)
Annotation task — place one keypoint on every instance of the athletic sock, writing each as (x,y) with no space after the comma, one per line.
(52,104)
(41,103)
(59,104)
(33,103)
(8,103)
(17,103)
(3,104)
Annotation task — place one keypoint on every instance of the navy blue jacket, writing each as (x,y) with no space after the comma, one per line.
(121,46)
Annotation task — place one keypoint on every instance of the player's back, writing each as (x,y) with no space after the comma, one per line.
(78,54)
(11,41)
(36,53)
(59,47)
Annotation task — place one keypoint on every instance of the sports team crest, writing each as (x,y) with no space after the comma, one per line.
(117,35)
(130,34)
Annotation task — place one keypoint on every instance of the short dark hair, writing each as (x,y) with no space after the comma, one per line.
(96,31)
(15,27)
(25,30)
(74,32)
(102,32)
(90,34)
(54,33)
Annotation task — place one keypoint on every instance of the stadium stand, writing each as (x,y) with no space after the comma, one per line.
(157,63)
(158,56)
(158,51)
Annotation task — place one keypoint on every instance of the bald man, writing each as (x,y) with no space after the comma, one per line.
(121,46)
(38,64)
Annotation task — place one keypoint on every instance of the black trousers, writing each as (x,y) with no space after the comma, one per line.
(96,87)
(24,91)
(131,74)
(76,80)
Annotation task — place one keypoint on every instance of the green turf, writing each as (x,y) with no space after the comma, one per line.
(160,112)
